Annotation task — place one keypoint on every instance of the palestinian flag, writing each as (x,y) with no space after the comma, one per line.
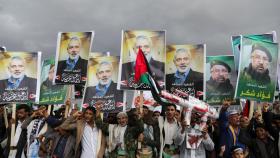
(143,75)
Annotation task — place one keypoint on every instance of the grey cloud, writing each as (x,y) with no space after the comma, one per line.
(28,25)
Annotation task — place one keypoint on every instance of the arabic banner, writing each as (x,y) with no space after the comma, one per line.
(102,84)
(185,69)
(49,93)
(152,44)
(220,79)
(235,43)
(257,70)
(72,57)
(20,77)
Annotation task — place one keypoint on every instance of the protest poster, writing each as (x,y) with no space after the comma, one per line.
(185,69)
(102,84)
(257,76)
(72,57)
(220,79)
(49,93)
(235,44)
(20,77)
(148,100)
(152,44)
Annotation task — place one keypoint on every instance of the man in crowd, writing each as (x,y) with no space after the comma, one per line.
(20,137)
(35,125)
(229,124)
(18,79)
(157,67)
(105,87)
(123,136)
(169,128)
(75,63)
(184,77)
(219,86)
(258,68)
(198,141)
(90,141)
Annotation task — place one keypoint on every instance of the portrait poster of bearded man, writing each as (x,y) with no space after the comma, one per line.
(220,79)
(257,76)
(102,84)
(235,43)
(185,69)
(152,43)
(50,93)
(72,54)
(20,77)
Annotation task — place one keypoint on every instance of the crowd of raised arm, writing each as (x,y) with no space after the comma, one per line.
(140,133)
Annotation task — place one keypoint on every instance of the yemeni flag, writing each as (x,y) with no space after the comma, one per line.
(143,75)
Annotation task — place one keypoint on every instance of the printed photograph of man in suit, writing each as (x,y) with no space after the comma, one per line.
(105,88)
(18,79)
(157,67)
(72,55)
(75,63)
(184,78)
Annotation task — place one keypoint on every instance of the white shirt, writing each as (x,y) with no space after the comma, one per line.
(16,138)
(89,142)
(17,132)
(119,135)
(170,130)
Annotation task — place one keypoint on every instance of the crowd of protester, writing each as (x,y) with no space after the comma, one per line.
(146,133)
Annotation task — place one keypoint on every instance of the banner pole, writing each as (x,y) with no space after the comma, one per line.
(13,125)
(5,117)
(141,111)
(252,106)
(68,102)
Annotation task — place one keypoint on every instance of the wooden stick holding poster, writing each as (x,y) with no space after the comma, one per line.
(5,117)
(68,101)
(252,106)
(141,112)
(13,128)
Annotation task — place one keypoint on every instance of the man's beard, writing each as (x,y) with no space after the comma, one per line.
(74,56)
(262,77)
(148,56)
(182,70)
(17,76)
(104,83)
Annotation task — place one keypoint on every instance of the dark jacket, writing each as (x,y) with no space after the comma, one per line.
(112,96)
(193,81)
(80,69)
(27,82)
(20,144)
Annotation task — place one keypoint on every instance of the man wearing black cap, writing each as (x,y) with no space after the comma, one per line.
(219,86)
(258,68)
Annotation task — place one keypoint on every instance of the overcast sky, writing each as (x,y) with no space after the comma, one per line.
(32,25)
